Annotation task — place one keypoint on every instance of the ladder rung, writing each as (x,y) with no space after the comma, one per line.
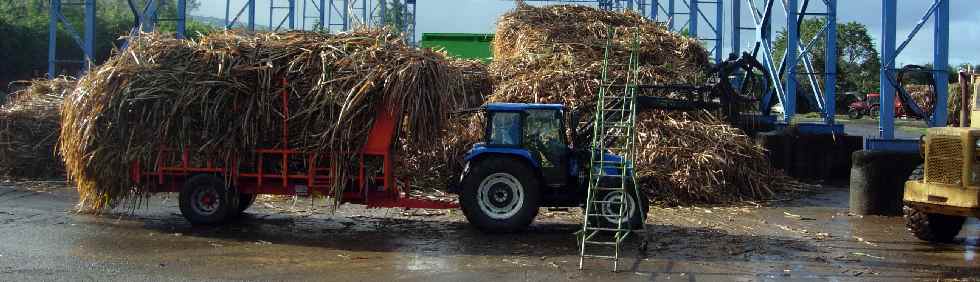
(601,243)
(603,215)
(607,189)
(600,257)
(607,229)
(608,202)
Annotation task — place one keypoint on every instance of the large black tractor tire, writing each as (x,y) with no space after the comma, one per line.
(500,195)
(932,227)
(927,226)
(206,200)
(608,214)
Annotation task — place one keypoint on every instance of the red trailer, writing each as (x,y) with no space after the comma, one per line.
(212,190)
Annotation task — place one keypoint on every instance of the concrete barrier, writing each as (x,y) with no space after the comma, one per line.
(823,157)
(878,180)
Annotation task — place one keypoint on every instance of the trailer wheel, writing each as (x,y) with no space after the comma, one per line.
(205,199)
(637,205)
(500,195)
(245,201)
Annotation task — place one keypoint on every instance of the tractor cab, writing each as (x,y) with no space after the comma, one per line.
(532,132)
(525,161)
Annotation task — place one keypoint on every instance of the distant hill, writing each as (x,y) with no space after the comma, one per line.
(220,22)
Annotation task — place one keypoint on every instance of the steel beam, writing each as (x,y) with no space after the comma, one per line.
(886,118)
(940,62)
(792,59)
(84,41)
(181,19)
(736,27)
(248,8)
(830,64)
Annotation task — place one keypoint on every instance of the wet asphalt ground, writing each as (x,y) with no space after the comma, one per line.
(812,238)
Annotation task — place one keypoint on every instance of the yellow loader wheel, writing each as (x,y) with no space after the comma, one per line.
(932,227)
(929,226)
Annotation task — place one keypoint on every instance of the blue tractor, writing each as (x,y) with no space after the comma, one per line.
(525,161)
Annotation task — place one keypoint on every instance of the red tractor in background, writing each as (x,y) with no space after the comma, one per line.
(870,106)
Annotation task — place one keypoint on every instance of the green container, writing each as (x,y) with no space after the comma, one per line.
(460,45)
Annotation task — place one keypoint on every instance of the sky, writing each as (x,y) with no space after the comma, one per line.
(479,16)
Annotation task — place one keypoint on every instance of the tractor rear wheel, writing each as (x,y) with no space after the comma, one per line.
(205,199)
(500,195)
(636,207)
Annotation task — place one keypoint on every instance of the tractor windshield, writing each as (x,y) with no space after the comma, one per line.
(543,136)
(505,128)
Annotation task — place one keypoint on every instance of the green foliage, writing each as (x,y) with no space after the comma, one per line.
(858,62)
(24,33)
(395,15)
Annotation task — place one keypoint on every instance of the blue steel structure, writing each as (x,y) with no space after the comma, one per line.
(248,7)
(695,18)
(147,19)
(85,40)
(784,75)
(288,14)
(939,12)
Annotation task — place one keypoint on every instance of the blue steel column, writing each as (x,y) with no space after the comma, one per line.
(737,27)
(654,9)
(181,18)
(830,63)
(719,31)
(670,15)
(292,14)
(53,36)
(323,15)
(886,118)
(941,61)
(227,13)
(792,43)
(89,33)
(693,19)
(251,15)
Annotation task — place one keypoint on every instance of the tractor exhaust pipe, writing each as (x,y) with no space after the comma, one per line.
(965,103)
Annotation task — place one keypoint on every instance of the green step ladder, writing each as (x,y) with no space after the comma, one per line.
(613,132)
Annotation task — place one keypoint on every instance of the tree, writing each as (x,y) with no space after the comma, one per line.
(858,62)
(395,14)
(24,33)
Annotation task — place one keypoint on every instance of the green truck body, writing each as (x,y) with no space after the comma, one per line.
(460,45)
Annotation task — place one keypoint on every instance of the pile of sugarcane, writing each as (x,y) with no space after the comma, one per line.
(924,96)
(476,82)
(221,96)
(29,124)
(555,54)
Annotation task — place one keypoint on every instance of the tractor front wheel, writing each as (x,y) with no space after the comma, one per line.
(500,195)
(932,227)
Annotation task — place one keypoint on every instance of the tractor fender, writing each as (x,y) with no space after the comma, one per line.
(478,154)
(482,152)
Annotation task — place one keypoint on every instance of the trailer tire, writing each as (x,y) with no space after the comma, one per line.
(500,195)
(206,200)
(245,201)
